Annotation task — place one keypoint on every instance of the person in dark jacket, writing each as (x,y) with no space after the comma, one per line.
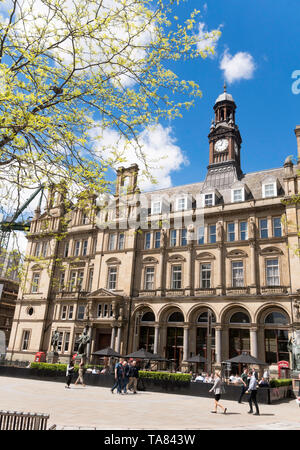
(126,368)
(119,375)
(133,376)
(245,382)
(69,373)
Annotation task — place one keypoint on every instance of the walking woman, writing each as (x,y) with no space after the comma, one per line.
(69,373)
(217,390)
(80,374)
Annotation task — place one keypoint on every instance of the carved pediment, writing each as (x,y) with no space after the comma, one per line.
(237,254)
(113,261)
(205,255)
(267,251)
(175,258)
(103,293)
(150,259)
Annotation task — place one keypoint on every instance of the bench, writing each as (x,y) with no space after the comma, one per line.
(13,420)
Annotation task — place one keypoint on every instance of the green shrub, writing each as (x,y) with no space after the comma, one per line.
(166,376)
(50,367)
(280,382)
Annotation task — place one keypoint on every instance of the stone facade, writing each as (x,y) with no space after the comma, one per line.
(226,279)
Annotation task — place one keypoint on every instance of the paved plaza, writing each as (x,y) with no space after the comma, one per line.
(97,408)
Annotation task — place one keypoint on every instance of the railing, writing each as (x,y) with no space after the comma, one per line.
(147,293)
(13,420)
(174,292)
(237,290)
(274,290)
(205,291)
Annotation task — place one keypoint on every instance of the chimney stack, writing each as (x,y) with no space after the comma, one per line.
(297,133)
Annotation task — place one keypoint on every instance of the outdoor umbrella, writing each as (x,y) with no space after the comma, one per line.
(196,359)
(245,358)
(142,354)
(157,357)
(107,352)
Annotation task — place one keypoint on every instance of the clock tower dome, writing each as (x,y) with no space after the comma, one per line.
(224,144)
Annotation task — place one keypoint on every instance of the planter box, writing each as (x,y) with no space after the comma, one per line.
(198,389)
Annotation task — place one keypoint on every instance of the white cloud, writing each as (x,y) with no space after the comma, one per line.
(207,40)
(237,67)
(159,148)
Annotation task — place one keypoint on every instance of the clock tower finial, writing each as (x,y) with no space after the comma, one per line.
(224,142)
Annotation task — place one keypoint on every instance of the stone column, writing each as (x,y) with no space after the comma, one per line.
(118,344)
(185,343)
(156,337)
(113,336)
(220,269)
(218,345)
(253,284)
(253,342)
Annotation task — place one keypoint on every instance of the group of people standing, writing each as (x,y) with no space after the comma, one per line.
(250,384)
(126,376)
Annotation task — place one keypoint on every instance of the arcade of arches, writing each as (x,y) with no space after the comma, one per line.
(177,339)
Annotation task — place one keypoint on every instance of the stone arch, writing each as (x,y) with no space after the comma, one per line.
(229,310)
(262,312)
(166,310)
(194,312)
(142,309)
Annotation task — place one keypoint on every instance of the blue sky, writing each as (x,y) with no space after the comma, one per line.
(267,109)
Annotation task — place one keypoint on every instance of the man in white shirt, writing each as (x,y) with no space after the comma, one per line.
(252,389)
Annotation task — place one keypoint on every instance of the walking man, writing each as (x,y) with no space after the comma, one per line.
(119,375)
(244,378)
(133,376)
(253,391)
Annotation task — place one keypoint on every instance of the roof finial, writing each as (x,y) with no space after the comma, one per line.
(225,87)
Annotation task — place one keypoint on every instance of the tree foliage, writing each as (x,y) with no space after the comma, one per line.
(66,65)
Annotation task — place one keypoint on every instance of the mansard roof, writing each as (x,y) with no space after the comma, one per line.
(252,181)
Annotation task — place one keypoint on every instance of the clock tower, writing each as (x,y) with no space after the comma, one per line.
(224,144)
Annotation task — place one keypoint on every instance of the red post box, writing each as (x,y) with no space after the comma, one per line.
(40,357)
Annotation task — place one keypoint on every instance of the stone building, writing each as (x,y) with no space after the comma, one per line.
(165,270)
(8,297)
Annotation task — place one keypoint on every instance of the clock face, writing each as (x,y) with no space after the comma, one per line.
(236,148)
(221,145)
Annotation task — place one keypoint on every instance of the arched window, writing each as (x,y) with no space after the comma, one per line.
(148,317)
(176,317)
(203,317)
(276,318)
(239,317)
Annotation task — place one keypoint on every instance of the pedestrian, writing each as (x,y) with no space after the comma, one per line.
(69,373)
(133,376)
(119,373)
(252,389)
(218,390)
(126,368)
(244,387)
(80,375)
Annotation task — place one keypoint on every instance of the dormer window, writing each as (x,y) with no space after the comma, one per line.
(238,195)
(209,199)
(269,190)
(181,204)
(156,207)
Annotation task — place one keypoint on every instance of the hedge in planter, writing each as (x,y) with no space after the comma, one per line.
(165,376)
(281,382)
